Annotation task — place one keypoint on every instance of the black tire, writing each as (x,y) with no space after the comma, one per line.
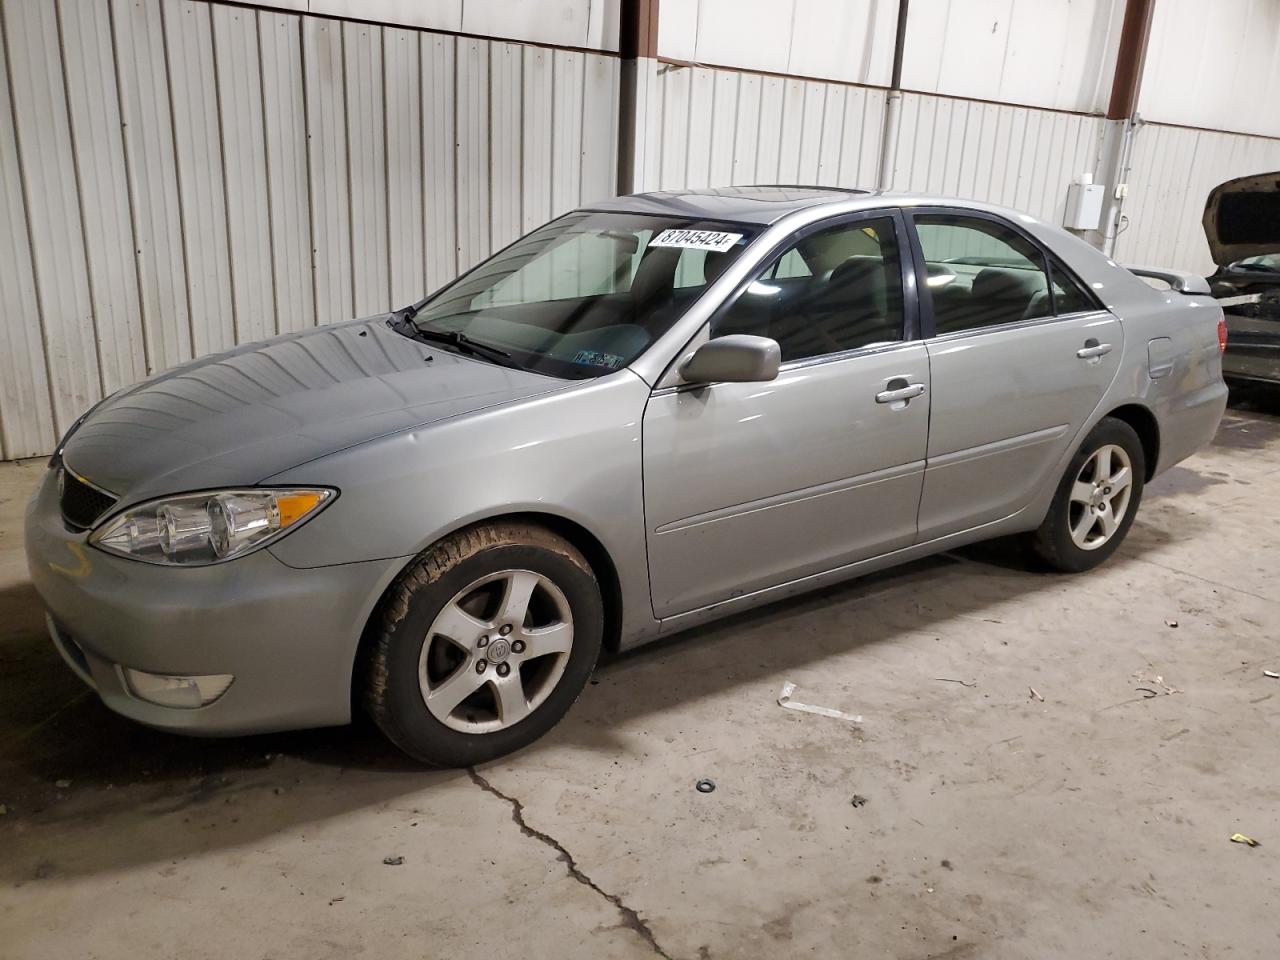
(1053,542)
(398,633)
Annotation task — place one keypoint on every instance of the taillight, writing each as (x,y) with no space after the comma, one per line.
(1222,334)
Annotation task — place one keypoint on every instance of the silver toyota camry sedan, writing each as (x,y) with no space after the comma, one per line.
(647,414)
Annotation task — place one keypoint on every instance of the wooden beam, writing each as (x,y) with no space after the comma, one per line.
(1127,81)
(638,29)
(637,43)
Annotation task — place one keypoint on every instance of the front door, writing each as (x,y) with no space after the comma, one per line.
(751,485)
(1021,355)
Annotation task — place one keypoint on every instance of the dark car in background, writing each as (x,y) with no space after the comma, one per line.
(1242,225)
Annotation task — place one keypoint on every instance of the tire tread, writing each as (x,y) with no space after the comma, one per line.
(432,564)
(1048,541)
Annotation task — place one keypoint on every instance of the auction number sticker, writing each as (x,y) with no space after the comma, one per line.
(696,239)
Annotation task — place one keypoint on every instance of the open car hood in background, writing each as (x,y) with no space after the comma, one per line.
(1242,218)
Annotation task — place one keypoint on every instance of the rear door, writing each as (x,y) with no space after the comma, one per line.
(1020,354)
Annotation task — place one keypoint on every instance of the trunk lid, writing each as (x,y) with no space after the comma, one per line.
(1242,218)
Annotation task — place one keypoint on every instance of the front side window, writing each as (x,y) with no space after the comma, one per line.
(980,273)
(586,294)
(834,290)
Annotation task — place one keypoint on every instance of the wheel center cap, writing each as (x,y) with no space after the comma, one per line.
(498,650)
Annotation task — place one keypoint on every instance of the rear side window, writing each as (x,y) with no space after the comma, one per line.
(981,273)
(1068,295)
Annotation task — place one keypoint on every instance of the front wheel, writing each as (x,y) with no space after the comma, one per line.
(1096,500)
(483,644)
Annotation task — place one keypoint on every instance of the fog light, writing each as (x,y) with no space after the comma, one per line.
(184,692)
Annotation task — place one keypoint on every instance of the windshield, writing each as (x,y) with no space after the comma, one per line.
(1265,263)
(588,293)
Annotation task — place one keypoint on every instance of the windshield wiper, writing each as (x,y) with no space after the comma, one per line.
(403,317)
(459,341)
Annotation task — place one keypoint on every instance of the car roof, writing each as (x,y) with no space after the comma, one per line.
(765,204)
(761,204)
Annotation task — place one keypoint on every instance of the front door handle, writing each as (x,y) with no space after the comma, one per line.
(900,394)
(1092,349)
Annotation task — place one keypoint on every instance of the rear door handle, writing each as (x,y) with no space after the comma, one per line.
(1093,349)
(900,394)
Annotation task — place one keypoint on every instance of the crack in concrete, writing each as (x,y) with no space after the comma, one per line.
(630,919)
(1203,579)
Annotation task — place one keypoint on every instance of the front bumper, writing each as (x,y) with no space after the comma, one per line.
(288,636)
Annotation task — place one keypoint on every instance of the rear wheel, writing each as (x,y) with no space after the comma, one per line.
(483,644)
(1096,500)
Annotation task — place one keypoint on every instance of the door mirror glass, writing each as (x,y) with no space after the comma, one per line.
(738,358)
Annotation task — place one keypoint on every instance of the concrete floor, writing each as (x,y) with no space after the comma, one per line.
(1094,823)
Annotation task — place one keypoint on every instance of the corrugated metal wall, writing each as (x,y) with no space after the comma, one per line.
(1214,65)
(722,127)
(709,127)
(591,24)
(828,39)
(1056,54)
(1173,170)
(178,176)
(714,127)
(1020,157)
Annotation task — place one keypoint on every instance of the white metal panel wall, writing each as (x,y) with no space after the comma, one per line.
(1019,157)
(198,170)
(1173,170)
(1215,67)
(1057,54)
(848,40)
(592,24)
(709,127)
(141,73)
(26,414)
(294,170)
(717,127)
(51,188)
(1047,53)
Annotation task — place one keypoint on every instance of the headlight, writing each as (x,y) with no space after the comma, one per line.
(203,528)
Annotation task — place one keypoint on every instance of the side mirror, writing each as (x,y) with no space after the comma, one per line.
(737,358)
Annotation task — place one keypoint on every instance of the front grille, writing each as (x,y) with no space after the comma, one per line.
(82,504)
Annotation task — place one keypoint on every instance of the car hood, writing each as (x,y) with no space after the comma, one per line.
(238,418)
(1242,218)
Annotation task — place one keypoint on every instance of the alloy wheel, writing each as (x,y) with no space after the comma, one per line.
(1100,497)
(495,651)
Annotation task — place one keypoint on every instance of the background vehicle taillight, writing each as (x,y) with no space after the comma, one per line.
(1222,334)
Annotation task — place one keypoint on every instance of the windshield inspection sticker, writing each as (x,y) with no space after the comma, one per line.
(696,239)
(596,358)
